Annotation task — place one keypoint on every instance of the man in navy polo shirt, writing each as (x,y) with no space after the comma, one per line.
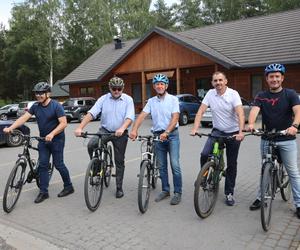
(51,122)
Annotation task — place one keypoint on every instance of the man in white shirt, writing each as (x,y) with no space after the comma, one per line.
(228,119)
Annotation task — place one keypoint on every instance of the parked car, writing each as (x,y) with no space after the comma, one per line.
(76,108)
(12,140)
(207,116)
(24,106)
(189,106)
(8,111)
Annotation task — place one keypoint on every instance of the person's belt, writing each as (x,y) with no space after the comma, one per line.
(162,131)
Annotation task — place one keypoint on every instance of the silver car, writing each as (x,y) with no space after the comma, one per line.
(24,106)
(207,116)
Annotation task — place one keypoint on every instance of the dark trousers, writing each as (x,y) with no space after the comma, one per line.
(232,151)
(56,149)
(119,144)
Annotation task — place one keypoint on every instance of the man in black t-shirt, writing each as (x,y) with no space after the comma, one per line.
(280,110)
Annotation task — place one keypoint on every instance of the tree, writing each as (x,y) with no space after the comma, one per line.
(163,15)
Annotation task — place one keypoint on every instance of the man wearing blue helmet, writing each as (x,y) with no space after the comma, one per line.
(280,110)
(164,109)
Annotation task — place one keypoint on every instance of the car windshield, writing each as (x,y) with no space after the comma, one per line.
(5,107)
(69,103)
(23,104)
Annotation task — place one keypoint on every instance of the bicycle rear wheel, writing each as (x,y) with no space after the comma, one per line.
(13,187)
(144,186)
(206,190)
(285,184)
(93,184)
(267,195)
(108,166)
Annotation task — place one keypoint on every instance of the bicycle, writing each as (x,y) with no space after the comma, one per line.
(149,171)
(16,179)
(274,176)
(207,183)
(99,170)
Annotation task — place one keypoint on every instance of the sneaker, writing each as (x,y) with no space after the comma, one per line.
(176,199)
(255,205)
(298,212)
(229,200)
(162,195)
(119,193)
(41,197)
(66,191)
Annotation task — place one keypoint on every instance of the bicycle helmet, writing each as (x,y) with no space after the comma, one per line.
(160,78)
(116,82)
(42,87)
(275,67)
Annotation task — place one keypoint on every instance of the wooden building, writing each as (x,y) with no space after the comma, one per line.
(240,48)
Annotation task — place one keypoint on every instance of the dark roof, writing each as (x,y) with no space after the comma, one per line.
(57,91)
(244,43)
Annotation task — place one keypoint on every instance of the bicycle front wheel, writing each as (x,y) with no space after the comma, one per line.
(206,190)
(144,186)
(93,184)
(285,185)
(13,187)
(267,195)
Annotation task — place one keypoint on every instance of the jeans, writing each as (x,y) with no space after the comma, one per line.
(288,153)
(162,149)
(232,151)
(119,145)
(56,149)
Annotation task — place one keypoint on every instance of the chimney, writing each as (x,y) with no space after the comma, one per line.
(118,42)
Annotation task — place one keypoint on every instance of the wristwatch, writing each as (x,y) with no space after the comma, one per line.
(296,125)
(167,132)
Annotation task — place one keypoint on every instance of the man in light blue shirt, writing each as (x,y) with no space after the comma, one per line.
(117,113)
(164,109)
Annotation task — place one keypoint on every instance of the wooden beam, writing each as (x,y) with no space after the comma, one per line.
(143,88)
(178,80)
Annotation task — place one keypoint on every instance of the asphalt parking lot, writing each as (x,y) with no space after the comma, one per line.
(66,223)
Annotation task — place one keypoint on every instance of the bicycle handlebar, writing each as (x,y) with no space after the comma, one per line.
(213,136)
(86,134)
(148,137)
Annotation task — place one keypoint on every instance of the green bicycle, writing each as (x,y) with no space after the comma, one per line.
(207,183)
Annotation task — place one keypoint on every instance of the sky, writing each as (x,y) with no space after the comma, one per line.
(6,6)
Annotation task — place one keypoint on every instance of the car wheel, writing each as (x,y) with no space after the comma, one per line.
(15,139)
(3,117)
(205,124)
(183,119)
(81,116)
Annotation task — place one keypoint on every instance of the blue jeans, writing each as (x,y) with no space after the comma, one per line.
(232,151)
(162,149)
(288,153)
(56,149)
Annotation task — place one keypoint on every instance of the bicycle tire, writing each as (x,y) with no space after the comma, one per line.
(13,187)
(285,184)
(144,185)
(108,164)
(267,195)
(93,184)
(207,183)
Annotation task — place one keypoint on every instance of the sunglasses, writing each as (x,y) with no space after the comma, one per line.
(40,93)
(115,89)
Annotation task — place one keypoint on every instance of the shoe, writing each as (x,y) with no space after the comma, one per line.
(229,200)
(66,191)
(255,205)
(162,195)
(119,193)
(176,199)
(41,197)
(298,212)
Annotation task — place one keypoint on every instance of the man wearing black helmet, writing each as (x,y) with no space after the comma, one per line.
(51,122)
(280,110)
(117,113)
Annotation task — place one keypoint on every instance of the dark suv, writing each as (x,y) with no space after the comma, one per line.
(189,106)
(76,108)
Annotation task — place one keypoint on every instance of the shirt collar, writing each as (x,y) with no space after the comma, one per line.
(120,98)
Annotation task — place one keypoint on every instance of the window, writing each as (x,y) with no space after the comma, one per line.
(86,91)
(202,86)
(256,84)
(104,89)
(137,91)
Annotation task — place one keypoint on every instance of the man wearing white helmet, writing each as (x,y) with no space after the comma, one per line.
(117,113)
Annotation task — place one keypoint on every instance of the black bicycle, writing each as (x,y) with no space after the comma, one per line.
(20,173)
(149,171)
(274,176)
(99,170)
(207,182)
